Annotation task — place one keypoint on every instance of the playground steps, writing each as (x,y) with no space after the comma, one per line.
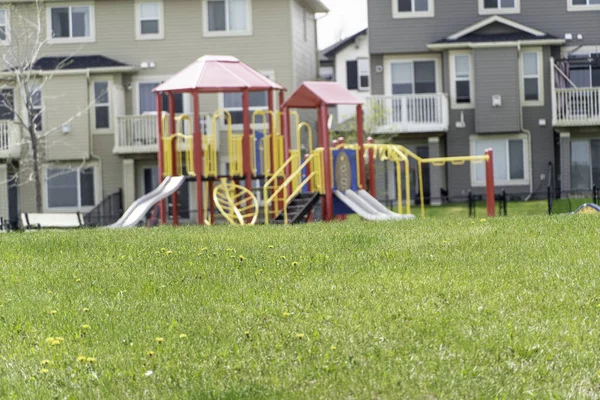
(299,208)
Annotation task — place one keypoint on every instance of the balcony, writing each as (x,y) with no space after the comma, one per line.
(576,107)
(138,134)
(417,113)
(10,146)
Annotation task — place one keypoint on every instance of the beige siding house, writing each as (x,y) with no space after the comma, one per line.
(99,107)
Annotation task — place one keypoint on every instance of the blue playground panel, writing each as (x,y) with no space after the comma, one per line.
(339,208)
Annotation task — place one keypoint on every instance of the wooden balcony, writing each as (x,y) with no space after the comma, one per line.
(416,113)
(576,107)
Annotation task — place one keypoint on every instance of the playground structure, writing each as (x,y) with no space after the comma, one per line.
(294,175)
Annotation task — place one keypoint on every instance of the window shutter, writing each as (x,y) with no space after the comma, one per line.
(352,74)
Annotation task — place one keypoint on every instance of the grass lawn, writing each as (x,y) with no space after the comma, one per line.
(432,308)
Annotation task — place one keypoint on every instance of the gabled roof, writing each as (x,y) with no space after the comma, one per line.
(328,53)
(313,94)
(214,74)
(76,62)
(469,36)
(317,6)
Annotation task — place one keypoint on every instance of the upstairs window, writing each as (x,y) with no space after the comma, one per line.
(233,102)
(227,17)
(150,20)
(7,104)
(71,23)
(584,71)
(413,77)
(499,7)
(412,8)
(357,73)
(462,89)
(37,106)
(3,25)
(583,5)
(531,88)
(147,99)
(102,105)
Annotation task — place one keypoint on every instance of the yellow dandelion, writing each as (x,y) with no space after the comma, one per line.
(169,252)
(77,280)
(81,359)
(45,362)
(271,246)
(91,360)
(55,342)
(230,250)
(333,347)
(247,333)
(85,326)
(242,258)
(182,336)
(159,340)
(300,336)
(85,309)
(150,353)
(44,371)
(472,222)
(52,312)
(295,264)
(482,220)
(59,339)
(286,314)
(283,257)
(49,340)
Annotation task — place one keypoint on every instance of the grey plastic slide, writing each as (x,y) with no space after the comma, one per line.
(373,202)
(137,211)
(366,209)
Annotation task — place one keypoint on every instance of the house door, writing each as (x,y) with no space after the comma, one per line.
(423,152)
(13,201)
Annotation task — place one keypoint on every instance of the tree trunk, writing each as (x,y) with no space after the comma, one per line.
(37,180)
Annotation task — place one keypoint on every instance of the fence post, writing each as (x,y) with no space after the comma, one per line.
(504,201)
(470,204)
(595,195)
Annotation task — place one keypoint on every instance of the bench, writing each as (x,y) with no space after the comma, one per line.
(57,221)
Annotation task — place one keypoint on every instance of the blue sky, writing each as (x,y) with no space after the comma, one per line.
(345,18)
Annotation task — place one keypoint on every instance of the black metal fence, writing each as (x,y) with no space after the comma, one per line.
(107,212)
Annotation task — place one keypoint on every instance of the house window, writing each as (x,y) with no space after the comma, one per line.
(531,80)
(357,73)
(73,23)
(37,107)
(584,72)
(583,5)
(233,103)
(499,6)
(147,99)
(462,90)
(150,20)
(326,73)
(3,25)
(412,8)
(413,77)
(227,16)
(67,187)
(102,105)
(585,164)
(7,111)
(510,155)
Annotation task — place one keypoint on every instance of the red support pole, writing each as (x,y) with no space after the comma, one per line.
(161,156)
(198,159)
(174,197)
(371,169)
(489,184)
(324,133)
(246,148)
(361,143)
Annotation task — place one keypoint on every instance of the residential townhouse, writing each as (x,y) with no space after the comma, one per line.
(102,103)
(455,77)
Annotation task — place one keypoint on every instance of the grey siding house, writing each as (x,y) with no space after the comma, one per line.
(522,77)
(101,101)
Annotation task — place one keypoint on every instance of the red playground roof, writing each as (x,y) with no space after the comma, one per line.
(213,74)
(312,94)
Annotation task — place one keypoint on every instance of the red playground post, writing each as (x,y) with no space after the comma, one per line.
(490,196)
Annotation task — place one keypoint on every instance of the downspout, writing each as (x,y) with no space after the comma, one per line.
(91,137)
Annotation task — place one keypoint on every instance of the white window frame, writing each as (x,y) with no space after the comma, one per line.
(587,7)
(499,10)
(138,21)
(453,80)
(187,99)
(540,76)
(111,116)
(413,14)
(359,75)
(227,32)
(78,167)
(38,87)
(89,39)
(6,41)
(389,60)
(238,127)
(507,138)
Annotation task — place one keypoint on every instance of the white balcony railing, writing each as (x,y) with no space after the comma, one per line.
(408,113)
(576,107)
(9,139)
(139,133)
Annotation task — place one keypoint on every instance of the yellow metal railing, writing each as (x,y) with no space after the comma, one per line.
(236,203)
(286,192)
(183,147)
(306,126)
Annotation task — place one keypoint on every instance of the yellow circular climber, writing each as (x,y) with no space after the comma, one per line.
(237,204)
